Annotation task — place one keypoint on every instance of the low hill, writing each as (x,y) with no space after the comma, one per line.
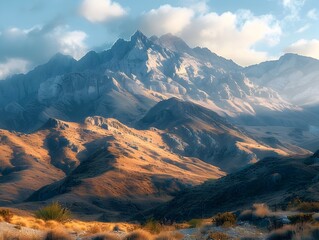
(275,181)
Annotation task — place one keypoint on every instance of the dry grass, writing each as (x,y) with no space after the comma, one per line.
(139,235)
(5,215)
(16,235)
(260,210)
(169,236)
(58,234)
(106,236)
(218,236)
(89,228)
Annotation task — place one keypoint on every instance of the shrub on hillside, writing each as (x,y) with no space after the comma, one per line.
(57,234)
(298,204)
(260,211)
(194,223)
(301,218)
(6,215)
(153,226)
(105,236)
(226,219)
(285,233)
(218,236)
(54,211)
(308,207)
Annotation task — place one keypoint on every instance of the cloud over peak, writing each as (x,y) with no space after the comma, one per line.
(305,47)
(231,35)
(101,10)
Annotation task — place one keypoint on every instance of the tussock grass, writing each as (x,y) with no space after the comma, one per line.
(5,215)
(54,211)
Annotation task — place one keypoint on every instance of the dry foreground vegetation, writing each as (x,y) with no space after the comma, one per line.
(298,220)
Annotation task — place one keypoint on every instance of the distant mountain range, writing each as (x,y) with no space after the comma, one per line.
(294,77)
(127,80)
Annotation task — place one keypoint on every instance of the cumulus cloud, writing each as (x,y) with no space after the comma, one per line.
(231,35)
(166,19)
(71,43)
(305,47)
(27,48)
(101,10)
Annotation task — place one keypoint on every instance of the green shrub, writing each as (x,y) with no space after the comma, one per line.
(194,223)
(6,214)
(301,218)
(226,219)
(54,211)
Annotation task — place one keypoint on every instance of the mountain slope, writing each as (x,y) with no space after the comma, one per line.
(192,130)
(272,181)
(127,80)
(100,165)
(294,77)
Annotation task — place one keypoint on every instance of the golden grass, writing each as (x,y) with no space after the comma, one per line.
(16,235)
(139,235)
(89,230)
(72,226)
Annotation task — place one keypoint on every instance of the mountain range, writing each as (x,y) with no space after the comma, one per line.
(126,80)
(134,126)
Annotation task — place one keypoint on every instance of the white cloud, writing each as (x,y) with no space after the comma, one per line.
(313,14)
(23,49)
(303,28)
(231,35)
(101,10)
(71,42)
(13,66)
(305,47)
(166,19)
(293,7)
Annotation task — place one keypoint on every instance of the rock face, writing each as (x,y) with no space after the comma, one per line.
(126,81)
(294,77)
(272,181)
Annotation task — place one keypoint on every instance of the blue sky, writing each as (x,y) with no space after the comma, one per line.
(247,31)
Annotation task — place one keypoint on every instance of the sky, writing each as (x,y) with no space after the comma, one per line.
(246,31)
